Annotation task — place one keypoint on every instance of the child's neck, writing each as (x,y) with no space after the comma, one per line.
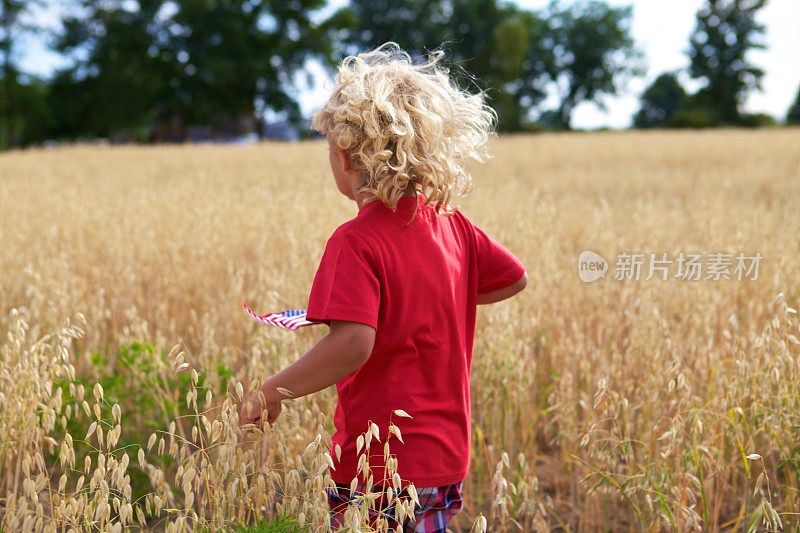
(363,199)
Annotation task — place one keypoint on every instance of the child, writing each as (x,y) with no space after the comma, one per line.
(399,283)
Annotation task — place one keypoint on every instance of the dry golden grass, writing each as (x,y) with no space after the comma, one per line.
(616,405)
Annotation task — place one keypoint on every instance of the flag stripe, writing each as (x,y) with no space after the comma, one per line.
(290,319)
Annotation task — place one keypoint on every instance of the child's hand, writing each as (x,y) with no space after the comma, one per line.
(252,410)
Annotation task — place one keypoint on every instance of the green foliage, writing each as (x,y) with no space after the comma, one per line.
(495,47)
(724,33)
(29,117)
(514,53)
(19,100)
(282,524)
(171,65)
(225,374)
(793,115)
(757,120)
(155,69)
(593,52)
(697,112)
(150,395)
(518,65)
(111,90)
(692,117)
(660,102)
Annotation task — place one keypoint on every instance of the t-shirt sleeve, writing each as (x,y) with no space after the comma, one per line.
(346,285)
(497,266)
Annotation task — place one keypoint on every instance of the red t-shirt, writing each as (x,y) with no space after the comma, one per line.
(417,286)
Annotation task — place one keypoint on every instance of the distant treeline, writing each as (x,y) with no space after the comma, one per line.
(158,70)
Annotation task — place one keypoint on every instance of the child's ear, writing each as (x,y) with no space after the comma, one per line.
(345,154)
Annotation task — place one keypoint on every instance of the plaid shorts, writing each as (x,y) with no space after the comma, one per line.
(437,505)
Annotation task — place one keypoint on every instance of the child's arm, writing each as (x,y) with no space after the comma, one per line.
(505,292)
(338,354)
(501,274)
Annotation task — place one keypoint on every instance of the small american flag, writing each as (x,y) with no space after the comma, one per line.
(291,319)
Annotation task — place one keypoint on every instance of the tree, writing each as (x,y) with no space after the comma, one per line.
(113,88)
(660,102)
(593,52)
(30,118)
(793,116)
(183,63)
(496,48)
(238,58)
(725,31)
(12,26)
(517,67)
(415,25)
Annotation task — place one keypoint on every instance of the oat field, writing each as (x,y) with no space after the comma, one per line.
(617,405)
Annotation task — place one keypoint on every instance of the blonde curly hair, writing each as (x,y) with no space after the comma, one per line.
(406,126)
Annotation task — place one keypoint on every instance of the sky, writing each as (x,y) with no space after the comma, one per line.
(660,28)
